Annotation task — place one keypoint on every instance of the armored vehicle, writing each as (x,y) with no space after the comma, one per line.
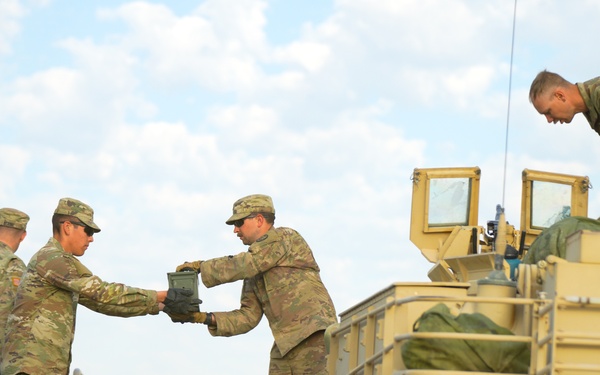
(543,312)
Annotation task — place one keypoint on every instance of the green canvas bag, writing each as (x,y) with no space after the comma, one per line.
(459,354)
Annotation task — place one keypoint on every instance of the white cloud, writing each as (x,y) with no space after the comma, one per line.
(244,123)
(465,85)
(311,56)
(12,168)
(11,12)
(43,95)
(217,46)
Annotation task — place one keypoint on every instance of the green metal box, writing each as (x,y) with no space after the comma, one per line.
(184,280)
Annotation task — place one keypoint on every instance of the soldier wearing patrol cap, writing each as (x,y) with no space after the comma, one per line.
(79,210)
(281,281)
(41,326)
(13,230)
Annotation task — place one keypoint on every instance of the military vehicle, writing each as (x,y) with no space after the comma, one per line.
(551,308)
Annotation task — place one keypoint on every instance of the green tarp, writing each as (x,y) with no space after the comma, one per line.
(553,240)
(459,354)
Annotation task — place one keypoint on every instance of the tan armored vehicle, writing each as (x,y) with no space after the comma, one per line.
(545,313)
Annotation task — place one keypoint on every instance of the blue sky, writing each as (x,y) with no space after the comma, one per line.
(161,114)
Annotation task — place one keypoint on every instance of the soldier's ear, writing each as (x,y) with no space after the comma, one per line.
(66,228)
(261,219)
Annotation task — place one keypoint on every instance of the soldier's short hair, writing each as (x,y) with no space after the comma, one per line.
(269,216)
(545,81)
(58,219)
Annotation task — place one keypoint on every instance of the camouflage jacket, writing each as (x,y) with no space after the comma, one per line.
(11,269)
(281,280)
(41,326)
(590,91)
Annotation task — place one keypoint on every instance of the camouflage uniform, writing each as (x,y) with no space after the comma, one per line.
(281,280)
(590,91)
(11,266)
(41,326)
(11,270)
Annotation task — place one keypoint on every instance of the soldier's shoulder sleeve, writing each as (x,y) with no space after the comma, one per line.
(268,238)
(58,268)
(15,265)
(14,271)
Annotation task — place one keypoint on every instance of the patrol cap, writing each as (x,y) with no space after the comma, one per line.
(251,204)
(11,218)
(78,209)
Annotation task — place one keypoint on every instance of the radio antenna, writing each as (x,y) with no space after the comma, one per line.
(512,50)
(500,243)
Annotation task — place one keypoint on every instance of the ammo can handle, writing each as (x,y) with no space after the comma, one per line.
(187,269)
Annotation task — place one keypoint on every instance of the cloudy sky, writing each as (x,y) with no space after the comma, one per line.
(161,114)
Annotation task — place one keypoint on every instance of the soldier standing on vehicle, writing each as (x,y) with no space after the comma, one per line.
(41,326)
(281,280)
(13,230)
(560,100)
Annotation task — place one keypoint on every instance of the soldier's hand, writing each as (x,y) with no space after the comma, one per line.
(180,301)
(195,265)
(195,317)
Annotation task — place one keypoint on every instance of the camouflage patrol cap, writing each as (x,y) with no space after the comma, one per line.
(11,218)
(251,204)
(78,209)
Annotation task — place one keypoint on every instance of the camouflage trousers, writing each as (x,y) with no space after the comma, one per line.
(306,358)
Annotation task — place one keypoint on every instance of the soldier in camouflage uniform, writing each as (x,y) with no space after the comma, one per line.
(559,100)
(41,326)
(281,281)
(13,229)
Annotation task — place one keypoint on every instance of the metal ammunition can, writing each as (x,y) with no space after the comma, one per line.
(184,280)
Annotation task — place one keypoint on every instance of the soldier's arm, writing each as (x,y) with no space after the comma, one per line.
(238,321)
(119,310)
(14,273)
(261,257)
(68,273)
